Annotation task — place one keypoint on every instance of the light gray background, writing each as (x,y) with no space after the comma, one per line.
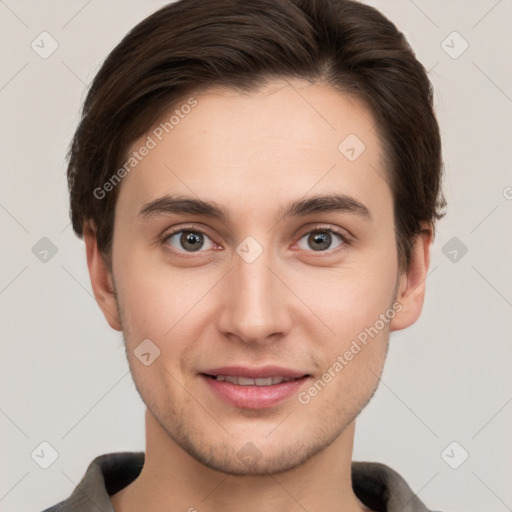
(64,377)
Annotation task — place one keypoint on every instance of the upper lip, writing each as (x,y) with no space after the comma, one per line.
(255,373)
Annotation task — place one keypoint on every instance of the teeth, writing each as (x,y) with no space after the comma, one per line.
(244,381)
(263,382)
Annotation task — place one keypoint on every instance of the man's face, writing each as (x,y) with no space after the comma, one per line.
(256,288)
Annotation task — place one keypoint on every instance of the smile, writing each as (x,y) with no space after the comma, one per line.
(256,392)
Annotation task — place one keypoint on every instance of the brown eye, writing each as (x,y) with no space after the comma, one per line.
(320,240)
(188,241)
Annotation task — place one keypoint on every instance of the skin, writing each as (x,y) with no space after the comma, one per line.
(293,306)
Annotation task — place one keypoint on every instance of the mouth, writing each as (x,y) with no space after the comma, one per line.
(254,388)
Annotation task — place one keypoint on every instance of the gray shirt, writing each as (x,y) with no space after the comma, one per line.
(378,486)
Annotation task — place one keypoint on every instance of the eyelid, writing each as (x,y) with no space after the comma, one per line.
(343,233)
(189,227)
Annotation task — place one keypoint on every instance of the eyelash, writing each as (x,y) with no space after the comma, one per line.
(320,229)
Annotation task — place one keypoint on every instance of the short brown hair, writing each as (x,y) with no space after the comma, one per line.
(191,45)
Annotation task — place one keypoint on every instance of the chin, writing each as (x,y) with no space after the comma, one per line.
(254,455)
(250,460)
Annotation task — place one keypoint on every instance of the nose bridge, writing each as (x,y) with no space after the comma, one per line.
(255,305)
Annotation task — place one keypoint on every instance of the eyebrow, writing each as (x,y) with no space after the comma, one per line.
(182,205)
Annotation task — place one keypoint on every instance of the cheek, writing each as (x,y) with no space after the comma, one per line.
(150,298)
(348,302)
(352,356)
(163,303)
(356,303)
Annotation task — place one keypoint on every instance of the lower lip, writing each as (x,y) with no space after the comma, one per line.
(254,397)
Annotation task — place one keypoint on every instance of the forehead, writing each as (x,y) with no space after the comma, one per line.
(249,150)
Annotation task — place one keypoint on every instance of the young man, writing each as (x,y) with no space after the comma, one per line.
(257,184)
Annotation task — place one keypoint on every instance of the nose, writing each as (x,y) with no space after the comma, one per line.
(256,304)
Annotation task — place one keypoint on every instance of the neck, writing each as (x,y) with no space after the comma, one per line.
(174,480)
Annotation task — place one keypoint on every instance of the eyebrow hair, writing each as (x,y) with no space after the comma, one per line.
(183,205)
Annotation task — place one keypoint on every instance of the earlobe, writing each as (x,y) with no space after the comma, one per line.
(101,279)
(411,290)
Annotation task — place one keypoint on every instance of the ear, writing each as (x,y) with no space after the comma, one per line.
(101,279)
(411,289)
